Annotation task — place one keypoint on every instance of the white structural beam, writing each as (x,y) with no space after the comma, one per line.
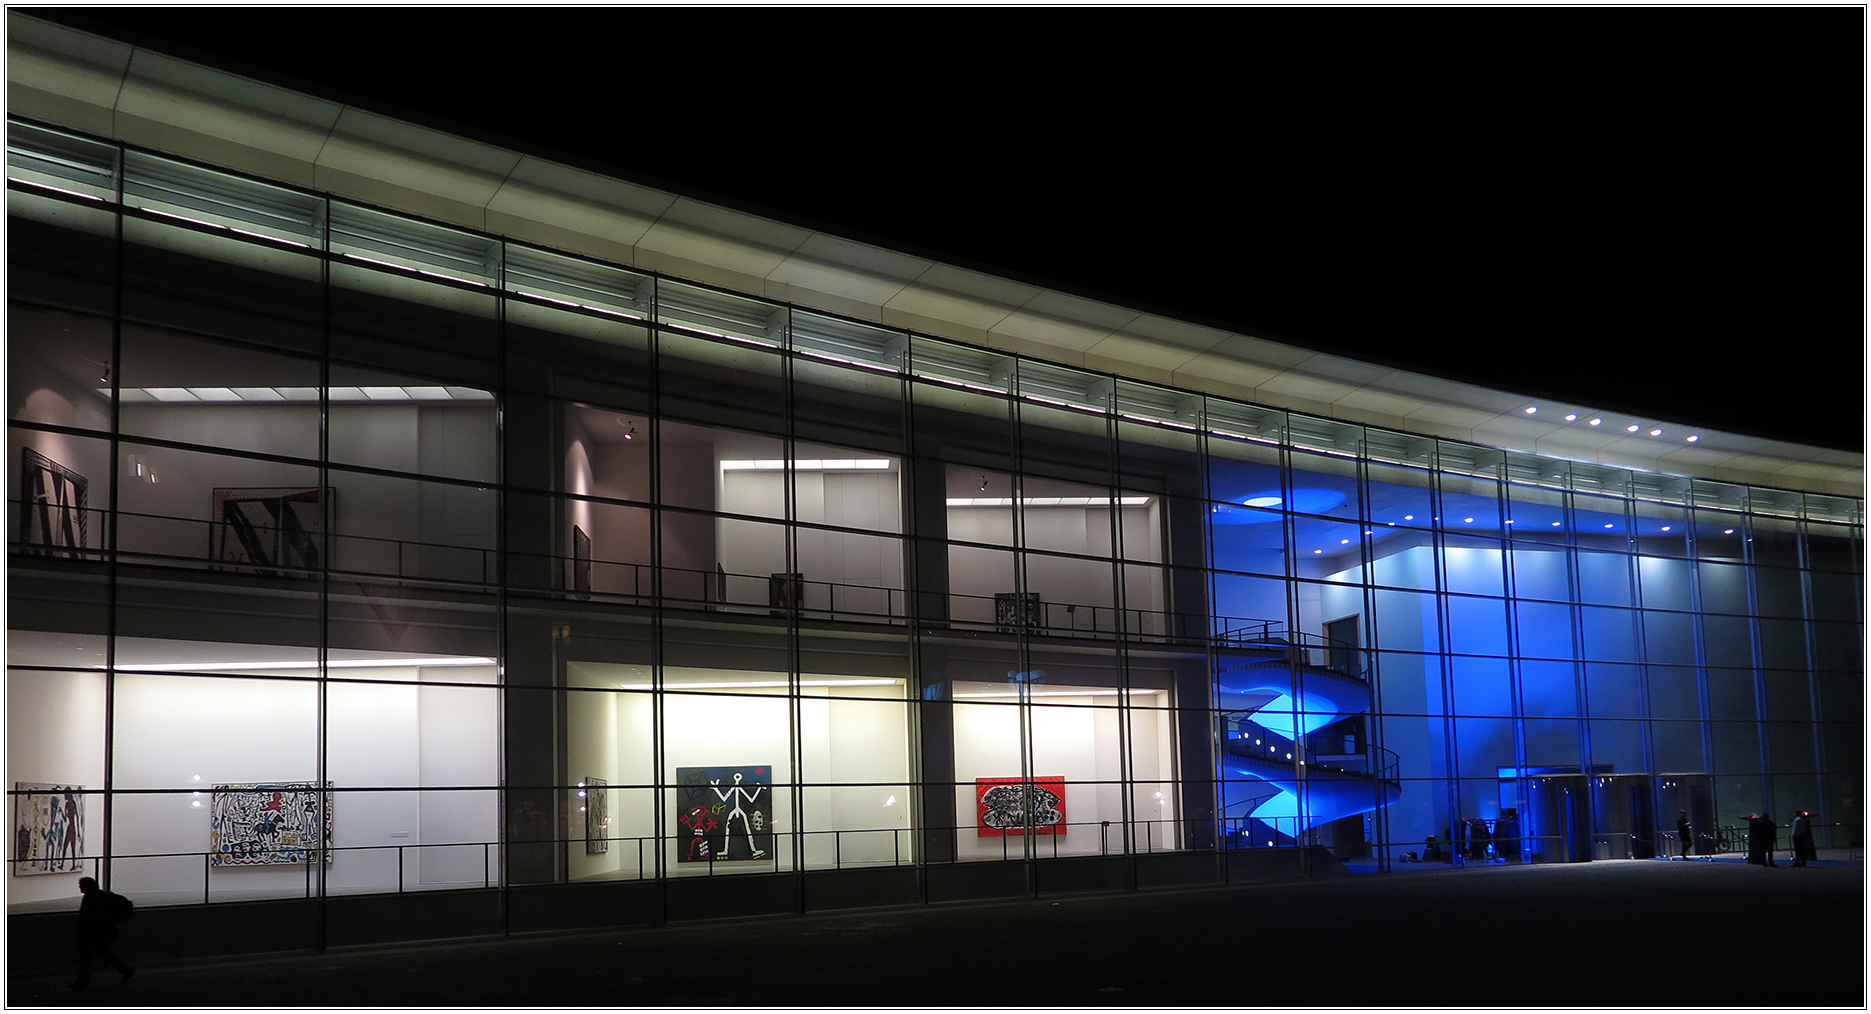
(103,87)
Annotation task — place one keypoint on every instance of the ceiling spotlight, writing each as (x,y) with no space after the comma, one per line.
(984,484)
(1344,542)
(1728,531)
(1409,517)
(1572,417)
(1317,551)
(630,429)
(1532,409)
(1666,528)
(1692,438)
(1607,526)
(1555,524)
(1468,521)
(1594,422)
(1657,432)
(1631,428)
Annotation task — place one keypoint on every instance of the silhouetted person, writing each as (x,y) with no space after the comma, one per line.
(1761,834)
(1683,832)
(1507,836)
(1803,839)
(98,916)
(1432,852)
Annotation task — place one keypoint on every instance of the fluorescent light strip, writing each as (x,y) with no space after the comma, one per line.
(340,663)
(300,394)
(1047,501)
(805,464)
(764,684)
(1058,693)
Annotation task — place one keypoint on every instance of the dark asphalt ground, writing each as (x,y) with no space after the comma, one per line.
(1603,934)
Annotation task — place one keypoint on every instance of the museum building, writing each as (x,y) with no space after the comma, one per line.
(415,538)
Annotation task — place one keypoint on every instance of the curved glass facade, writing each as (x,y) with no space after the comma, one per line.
(352,553)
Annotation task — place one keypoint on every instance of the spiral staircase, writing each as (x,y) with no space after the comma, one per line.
(1295,756)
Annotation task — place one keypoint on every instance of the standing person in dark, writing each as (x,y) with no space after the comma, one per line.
(1803,838)
(1764,827)
(1757,850)
(98,916)
(1682,832)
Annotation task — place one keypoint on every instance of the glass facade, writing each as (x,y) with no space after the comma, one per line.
(352,553)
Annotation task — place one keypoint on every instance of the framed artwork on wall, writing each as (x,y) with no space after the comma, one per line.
(1006,806)
(48,828)
(267,823)
(724,814)
(52,513)
(597,807)
(581,561)
(268,527)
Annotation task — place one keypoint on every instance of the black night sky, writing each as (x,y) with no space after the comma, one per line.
(1656,211)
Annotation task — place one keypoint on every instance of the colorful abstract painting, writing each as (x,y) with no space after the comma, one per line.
(263,823)
(596,802)
(1008,805)
(724,814)
(48,828)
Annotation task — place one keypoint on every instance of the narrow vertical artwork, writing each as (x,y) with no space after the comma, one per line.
(581,561)
(262,823)
(597,807)
(1009,805)
(48,828)
(724,814)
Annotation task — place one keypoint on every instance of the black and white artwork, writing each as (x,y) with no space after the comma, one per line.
(263,823)
(595,800)
(272,528)
(52,506)
(48,828)
(724,814)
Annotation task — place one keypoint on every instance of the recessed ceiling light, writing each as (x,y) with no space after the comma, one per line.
(1262,501)
(1594,422)
(1631,428)
(1555,524)
(1729,531)
(1572,416)
(1692,438)
(1657,432)
(1532,409)
(1409,517)
(1607,526)
(1666,528)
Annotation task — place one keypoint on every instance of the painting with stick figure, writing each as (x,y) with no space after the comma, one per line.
(724,814)
(48,828)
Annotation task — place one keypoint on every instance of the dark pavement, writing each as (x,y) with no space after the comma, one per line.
(1612,934)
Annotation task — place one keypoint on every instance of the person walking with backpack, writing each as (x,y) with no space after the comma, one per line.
(98,916)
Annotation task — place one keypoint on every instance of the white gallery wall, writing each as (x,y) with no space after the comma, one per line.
(412,763)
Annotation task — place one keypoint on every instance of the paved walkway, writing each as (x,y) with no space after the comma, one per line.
(1612,934)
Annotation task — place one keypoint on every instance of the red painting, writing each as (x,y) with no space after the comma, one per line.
(1007,806)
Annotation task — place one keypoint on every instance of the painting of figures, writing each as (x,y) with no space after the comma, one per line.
(724,814)
(1009,805)
(597,806)
(48,828)
(262,823)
